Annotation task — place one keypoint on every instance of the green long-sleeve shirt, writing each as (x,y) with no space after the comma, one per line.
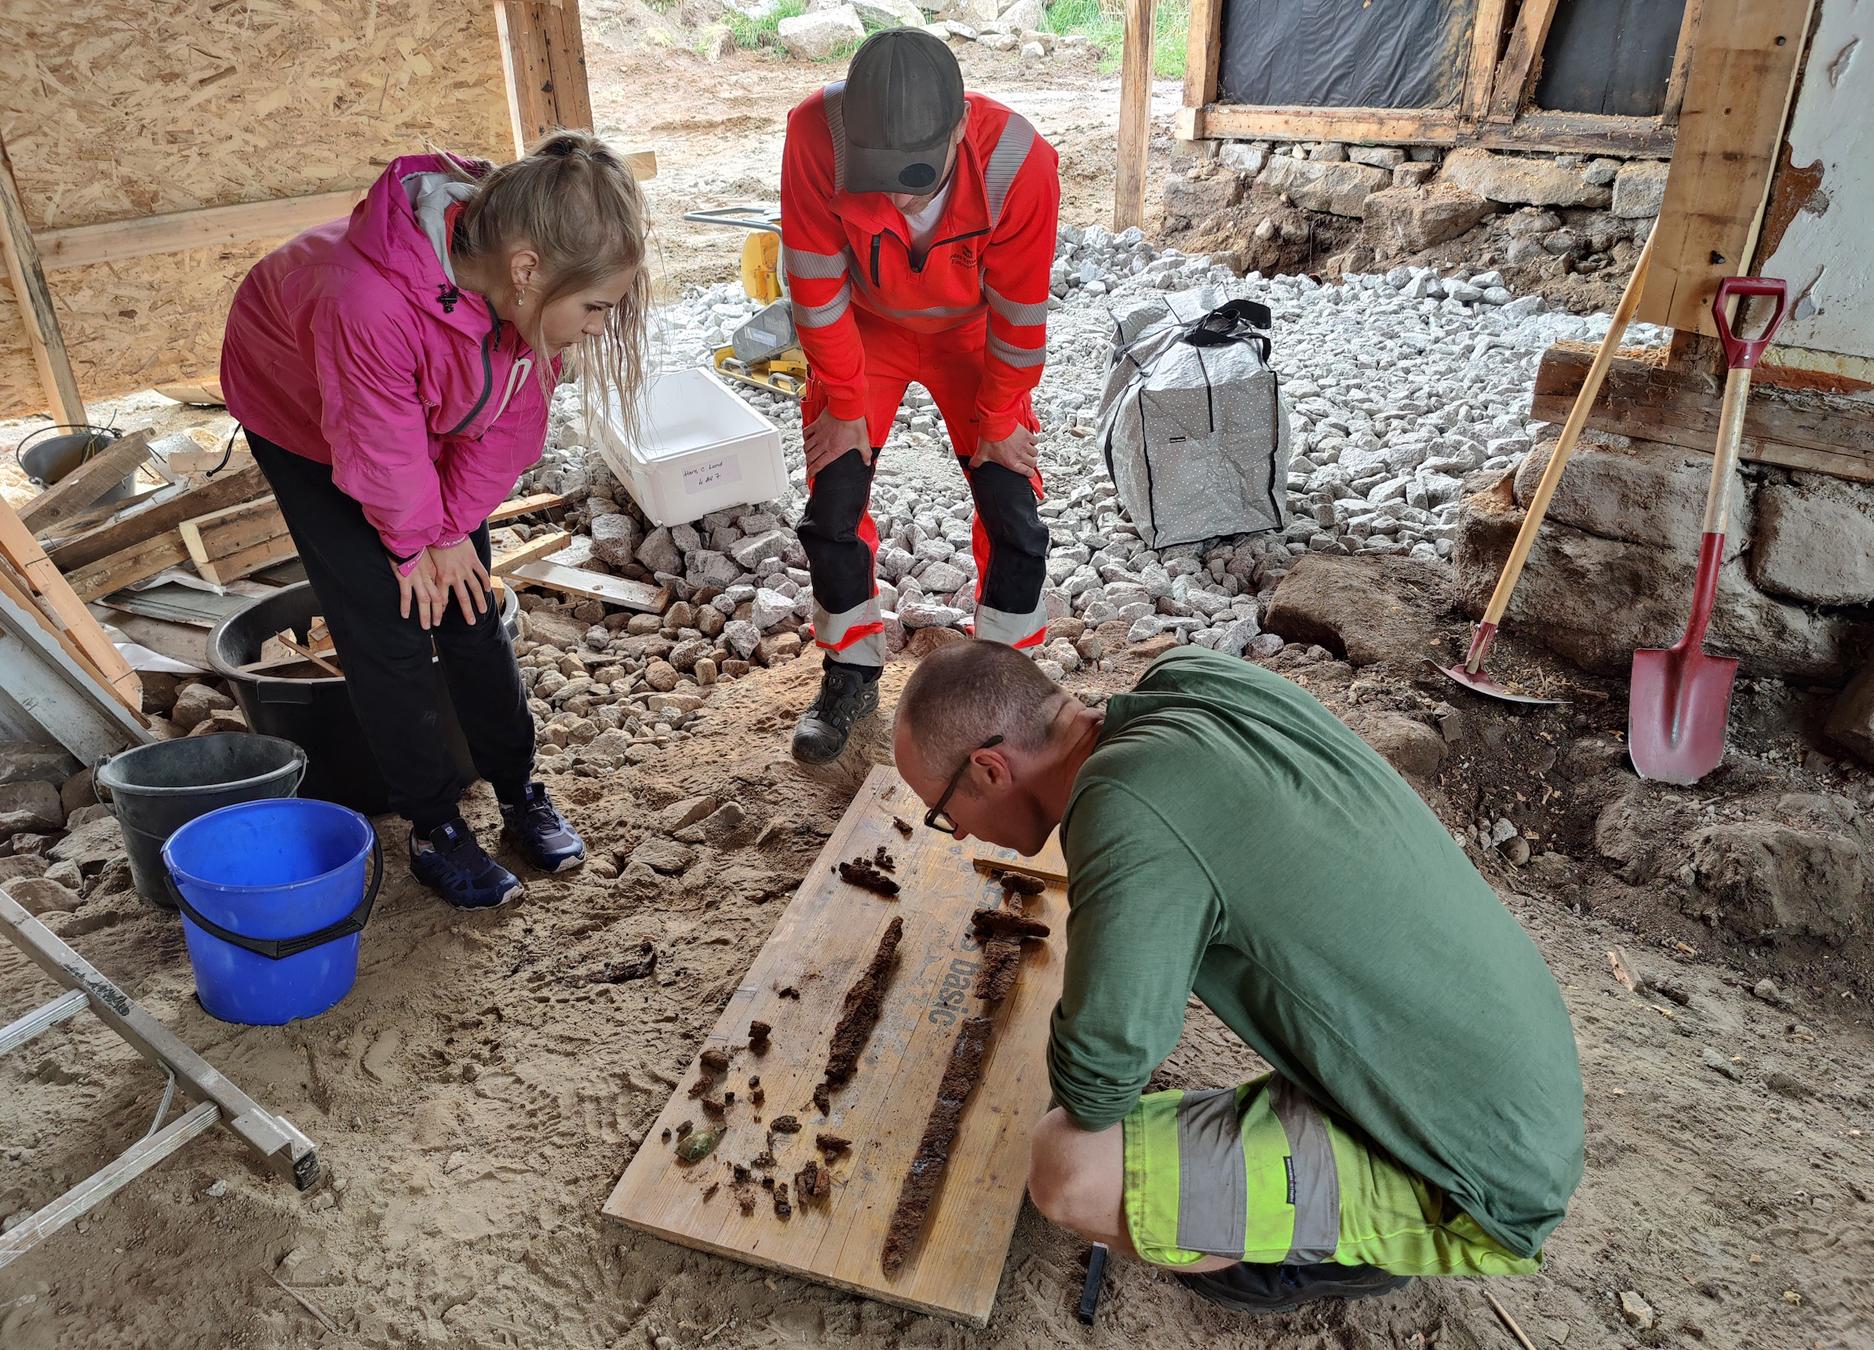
(1229,837)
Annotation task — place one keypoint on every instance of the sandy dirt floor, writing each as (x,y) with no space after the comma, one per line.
(477,1095)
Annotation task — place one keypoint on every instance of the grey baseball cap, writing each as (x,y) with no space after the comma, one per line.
(903,98)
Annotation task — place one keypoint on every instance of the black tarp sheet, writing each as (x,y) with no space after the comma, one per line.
(1609,56)
(1345,53)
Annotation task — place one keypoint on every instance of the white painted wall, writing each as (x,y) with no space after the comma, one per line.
(1828,258)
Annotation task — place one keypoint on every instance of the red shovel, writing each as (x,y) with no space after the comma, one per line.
(1680,697)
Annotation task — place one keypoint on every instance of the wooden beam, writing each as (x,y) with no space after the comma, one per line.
(39,676)
(1681,62)
(1649,398)
(526,506)
(1737,93)
(113,241)
(234,566)
(86,483)
(543,56)
(1403,126)
(1202,53)
(23,552)
(1486,48)
(566,64)
(1135,115)
(1576,133)
(1522,60)
(34,300)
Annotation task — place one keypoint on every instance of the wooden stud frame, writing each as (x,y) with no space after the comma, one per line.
(1493,110)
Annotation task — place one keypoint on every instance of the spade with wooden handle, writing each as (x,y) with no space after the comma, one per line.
(1471,673)
(1680,697)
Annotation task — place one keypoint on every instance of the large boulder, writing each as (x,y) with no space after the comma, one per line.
(1597,600)
(1645,495)
(1815,544)
(1366,609)
(1522,180)
(1410,219)
(888,13)
(1338,187)
(822,35)
(31,808)
(1769,880)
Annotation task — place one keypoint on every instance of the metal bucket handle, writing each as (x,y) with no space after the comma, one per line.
(276,949)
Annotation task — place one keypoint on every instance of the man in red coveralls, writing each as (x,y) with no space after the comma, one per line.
(917,231)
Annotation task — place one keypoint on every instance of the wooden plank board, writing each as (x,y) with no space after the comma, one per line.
(526,506)
(241,483)
(33,299)
(234,566)
(1486,43)
(539,546)
(43,682)
(16,589)
(24,553)
(826,937)
(1651,400)
(1203,52)
(86,483)
(231,530)
(137,563)
(174,231)
(1400,126)
(1745,54)
(1135,114)
(592,585)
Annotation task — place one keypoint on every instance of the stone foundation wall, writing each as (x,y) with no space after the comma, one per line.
(1357,207)
(1613,567)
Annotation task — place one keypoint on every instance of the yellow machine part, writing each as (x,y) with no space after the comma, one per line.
(784,373)
(761,266)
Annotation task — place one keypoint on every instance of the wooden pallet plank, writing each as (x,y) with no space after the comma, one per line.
(238,484)
(1742,72)
(231,530)
(827,935)
(242,562)
(527,506)
(86,483)
(591,585)
(1649,399)
(25,554)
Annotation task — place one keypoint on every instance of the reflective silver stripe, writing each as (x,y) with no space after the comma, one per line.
(1317,1180)
(832,632)
(1013,311)
(816,266)
(998,625)
(1020,357)
(833,101)
(1005,161)
(868,297)
(1213,1193)
(819,316)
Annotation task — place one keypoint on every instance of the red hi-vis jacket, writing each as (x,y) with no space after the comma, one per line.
(993,249)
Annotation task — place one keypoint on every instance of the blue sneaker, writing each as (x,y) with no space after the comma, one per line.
(451,863)
(543,834)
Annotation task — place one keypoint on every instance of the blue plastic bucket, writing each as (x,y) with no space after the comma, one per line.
(273,895)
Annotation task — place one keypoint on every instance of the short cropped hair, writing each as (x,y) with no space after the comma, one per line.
(962,694)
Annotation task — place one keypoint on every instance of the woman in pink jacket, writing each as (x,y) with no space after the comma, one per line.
(393,372)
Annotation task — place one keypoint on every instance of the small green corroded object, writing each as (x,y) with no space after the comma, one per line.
(696,1146)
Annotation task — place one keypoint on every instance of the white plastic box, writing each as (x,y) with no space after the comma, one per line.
(701,449)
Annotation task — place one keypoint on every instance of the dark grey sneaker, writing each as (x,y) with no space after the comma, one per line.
(544,836)
(845,696)
(450,862)
(1251,1288)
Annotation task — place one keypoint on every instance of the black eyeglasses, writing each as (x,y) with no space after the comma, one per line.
(939,819)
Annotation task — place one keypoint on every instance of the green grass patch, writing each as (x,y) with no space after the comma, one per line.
(752,33)
(1103,23)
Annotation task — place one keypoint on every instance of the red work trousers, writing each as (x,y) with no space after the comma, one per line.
(1008,538)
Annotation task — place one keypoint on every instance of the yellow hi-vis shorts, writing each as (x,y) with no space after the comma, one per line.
(1261,1173)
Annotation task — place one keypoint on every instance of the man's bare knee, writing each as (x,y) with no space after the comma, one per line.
(1067,1169)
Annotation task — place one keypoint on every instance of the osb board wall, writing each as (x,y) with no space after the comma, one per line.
(117,109)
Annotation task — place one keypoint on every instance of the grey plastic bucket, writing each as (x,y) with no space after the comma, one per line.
(157,789)
(47,461)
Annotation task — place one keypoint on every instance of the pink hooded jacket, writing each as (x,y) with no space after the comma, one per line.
(351,345)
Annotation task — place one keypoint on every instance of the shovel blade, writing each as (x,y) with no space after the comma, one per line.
(1480,682)
(1676,713)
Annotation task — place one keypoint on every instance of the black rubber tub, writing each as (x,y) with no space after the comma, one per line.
(315,714)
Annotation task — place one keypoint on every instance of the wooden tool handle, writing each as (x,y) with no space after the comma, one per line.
(1571,432)
(1724,457)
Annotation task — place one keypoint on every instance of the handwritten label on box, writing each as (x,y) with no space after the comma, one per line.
(711,473)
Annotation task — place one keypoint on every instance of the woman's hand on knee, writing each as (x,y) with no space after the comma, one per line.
(419,591)
(461,576)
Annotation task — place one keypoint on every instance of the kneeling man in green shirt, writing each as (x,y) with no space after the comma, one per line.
(1227,836)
